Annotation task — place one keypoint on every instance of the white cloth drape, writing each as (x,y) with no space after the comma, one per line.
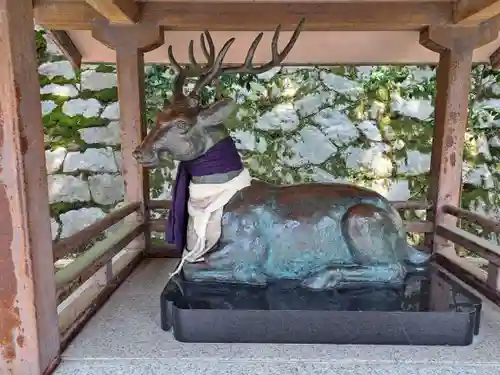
(205,207)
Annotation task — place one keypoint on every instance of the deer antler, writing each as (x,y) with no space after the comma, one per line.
(194,69)
(214,68)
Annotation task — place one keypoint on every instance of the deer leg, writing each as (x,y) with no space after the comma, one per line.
(202,272)
(341,277)
(375,237)
(229,263)
(238,256)
(376,244)
(371,235)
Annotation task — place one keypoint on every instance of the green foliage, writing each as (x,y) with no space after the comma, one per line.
(62,130)
(41,46)
(105,96)
(59,128)
(105,68)
(61,207)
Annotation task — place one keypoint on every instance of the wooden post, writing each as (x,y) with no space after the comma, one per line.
(130,43)
(455,46)
(29,332)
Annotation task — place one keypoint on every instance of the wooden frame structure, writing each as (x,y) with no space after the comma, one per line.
(37,317)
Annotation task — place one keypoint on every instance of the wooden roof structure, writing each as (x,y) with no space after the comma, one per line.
(336,32)
(37,321)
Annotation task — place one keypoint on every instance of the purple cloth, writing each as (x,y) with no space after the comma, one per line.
(223,157)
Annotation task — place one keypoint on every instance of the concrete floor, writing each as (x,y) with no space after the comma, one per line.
(124,338)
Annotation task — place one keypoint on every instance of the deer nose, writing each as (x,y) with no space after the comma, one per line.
(136,154)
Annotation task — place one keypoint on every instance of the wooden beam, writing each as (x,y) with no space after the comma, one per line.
(130,43)
(143,37)
(157,225)
(159,204)
(473,12)
(163,251)
(471,217)
(65,16)
(88,263)
(130,71)
(418,226)
(65,44)
(493,279)
(87,234)
(409,205)
(455,46)
(117,11)
(252,16)
(469,274)
(29,333)
(482,247)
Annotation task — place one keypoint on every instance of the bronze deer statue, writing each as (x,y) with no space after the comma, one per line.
(231,228)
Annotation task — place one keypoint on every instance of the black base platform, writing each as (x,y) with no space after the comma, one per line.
(430,309)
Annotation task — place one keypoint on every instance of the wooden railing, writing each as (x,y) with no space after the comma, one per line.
(85,265)
(413,225)
(80,239)
(485,281)
(160,249)
(407,205)
(96,272)
(473,218)
(155,204)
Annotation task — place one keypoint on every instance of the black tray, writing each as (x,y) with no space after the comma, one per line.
(430,309)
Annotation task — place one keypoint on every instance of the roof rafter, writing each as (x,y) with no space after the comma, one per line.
(117,11)
(475,11)
(67,47)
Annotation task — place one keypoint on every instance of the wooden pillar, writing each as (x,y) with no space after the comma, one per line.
(455,46)
(29,332)
(130,43)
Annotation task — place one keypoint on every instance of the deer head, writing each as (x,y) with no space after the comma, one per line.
(185,129)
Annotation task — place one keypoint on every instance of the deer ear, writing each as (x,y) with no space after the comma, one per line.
(161,118)
(216,113)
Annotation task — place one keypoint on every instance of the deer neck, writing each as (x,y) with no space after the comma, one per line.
(215,134)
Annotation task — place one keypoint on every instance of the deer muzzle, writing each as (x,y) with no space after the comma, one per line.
(148,158)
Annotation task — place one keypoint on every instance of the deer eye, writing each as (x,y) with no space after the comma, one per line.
(182,126)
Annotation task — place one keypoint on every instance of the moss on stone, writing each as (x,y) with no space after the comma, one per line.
(105,68)
(58,99)
(105,96)
(62,130)
(44,80)
(60,80)
(59,208)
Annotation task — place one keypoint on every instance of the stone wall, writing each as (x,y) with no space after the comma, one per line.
(367,125)
(82,140)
